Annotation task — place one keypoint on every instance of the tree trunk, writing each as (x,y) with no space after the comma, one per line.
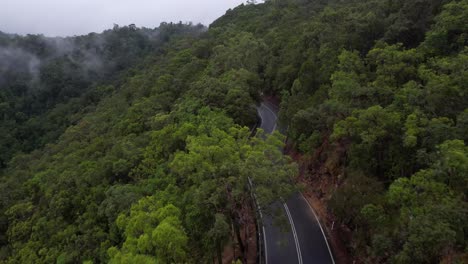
(239,237)
(219,253)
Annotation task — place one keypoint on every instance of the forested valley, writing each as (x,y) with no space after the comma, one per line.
(135,145)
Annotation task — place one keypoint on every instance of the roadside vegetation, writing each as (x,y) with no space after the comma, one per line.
(143,154)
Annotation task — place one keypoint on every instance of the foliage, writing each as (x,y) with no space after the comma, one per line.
(385,82)
(144,154)
(155,170)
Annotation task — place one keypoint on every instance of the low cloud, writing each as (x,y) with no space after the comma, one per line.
(78,17)
(18,61)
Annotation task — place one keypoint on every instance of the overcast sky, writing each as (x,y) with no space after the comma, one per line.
(76,17)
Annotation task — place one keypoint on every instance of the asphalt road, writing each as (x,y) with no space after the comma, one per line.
(301,239)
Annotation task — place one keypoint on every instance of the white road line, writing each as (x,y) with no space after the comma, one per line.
(266,248)
(293,227)
(276,117)
(324,236)
(264,232)
(263,226)
(315,215)
(261,117)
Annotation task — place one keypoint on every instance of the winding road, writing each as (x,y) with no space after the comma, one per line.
(302,239)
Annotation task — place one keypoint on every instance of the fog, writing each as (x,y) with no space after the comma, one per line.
(14,59)
(29,60)
(78,17)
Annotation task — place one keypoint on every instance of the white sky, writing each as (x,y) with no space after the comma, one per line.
(77,17)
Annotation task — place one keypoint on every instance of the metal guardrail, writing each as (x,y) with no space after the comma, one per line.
(258,214)
(258,225)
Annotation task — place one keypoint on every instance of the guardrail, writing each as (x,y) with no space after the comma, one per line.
(258,213)
(258,225)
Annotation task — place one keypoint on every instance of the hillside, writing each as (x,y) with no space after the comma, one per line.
(48,84)
(374,96)
(164,137)
(134,145)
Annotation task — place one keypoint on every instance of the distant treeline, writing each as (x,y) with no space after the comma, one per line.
(46,84)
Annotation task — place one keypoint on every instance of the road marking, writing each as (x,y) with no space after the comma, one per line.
(263,225)
(265,242)
(261,117)
(293,227)
(316,218)
(288,213)
(260,209)
(313,212)
(271,111)
(264,233)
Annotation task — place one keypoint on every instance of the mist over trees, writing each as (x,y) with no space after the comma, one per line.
(161,134)
(42,78)
(134,145)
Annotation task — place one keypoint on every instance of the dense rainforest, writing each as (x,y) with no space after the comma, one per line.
(49,83)
(135,145)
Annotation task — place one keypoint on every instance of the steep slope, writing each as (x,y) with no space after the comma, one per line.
(48,84)
(157,172)
(373,96)
(301,239)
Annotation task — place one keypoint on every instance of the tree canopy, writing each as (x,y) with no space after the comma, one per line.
(135,145)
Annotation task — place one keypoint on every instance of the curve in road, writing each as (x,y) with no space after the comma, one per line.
(302,240)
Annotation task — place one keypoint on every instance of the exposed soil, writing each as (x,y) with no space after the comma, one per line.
(319,176)
(334,235)
(232,251)
(274,100)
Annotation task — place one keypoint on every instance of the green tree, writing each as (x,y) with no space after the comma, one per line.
(152,233)
(374,132)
